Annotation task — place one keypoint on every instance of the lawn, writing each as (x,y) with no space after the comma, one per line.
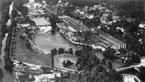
(115,64)
(21,53)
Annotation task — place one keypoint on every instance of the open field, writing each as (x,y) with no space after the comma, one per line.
(48,41)
(21,53)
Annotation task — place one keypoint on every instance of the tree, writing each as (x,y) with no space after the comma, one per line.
(9,65)
(14,13)
(114,76)
(71,51)
(103,61)
(142,73)
(1,74)
(110,53)
(87,34)
(105,73)
(97,69)
(61,50)
(52,52)
(28,46)
(112,73)
(109,64)
(78,53)
(55,51)
(22,9)
(64,63)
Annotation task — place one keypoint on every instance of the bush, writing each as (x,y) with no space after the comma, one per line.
(71,51)
(109,64)
(61,50)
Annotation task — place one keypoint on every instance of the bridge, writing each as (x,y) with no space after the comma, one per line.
(133,66)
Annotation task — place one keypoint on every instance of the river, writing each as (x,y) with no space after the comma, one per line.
(8,77)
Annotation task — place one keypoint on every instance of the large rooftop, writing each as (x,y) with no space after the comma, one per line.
(109,38)
(41,21)
(74,24)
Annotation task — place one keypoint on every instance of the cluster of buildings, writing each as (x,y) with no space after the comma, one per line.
(72,29)
(25,72)
(37,15)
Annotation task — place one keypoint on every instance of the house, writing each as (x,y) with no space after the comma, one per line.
(116,18)
(142,25)
(108,11)
(104,18)
(101,8)
(32,4)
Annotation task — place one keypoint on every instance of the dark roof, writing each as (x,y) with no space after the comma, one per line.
(97,38)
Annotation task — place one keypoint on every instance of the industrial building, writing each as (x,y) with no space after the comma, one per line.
(110,40)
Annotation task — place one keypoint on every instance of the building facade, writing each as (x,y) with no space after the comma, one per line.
(115,43)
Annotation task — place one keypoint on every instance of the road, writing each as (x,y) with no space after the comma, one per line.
(133,66)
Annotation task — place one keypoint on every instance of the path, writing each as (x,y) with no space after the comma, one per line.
(133,66)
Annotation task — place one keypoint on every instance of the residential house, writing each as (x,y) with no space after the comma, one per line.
(104,18)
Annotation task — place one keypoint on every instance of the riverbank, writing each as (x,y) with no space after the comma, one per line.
(4,16)
(7,76)
(1,73)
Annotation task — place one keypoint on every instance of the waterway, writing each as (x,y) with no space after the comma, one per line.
(8,77)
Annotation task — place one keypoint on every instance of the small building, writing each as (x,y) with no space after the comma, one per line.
(32,4)
(142,25)
(104,18)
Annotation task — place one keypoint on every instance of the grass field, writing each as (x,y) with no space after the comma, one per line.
(21,53)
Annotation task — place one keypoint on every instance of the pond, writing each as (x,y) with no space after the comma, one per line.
(48,41)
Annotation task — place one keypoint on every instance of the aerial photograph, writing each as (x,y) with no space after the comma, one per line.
(72,40)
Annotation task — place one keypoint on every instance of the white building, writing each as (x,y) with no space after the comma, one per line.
(142,25)
(31,1)
(130,78)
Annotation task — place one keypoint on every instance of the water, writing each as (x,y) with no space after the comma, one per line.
(8,77)
(48,41)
